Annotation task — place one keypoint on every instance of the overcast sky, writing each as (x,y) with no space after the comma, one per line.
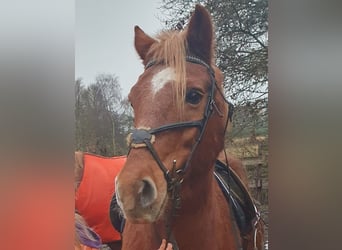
(104,35)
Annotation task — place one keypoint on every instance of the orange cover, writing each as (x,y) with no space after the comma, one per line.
(95,192)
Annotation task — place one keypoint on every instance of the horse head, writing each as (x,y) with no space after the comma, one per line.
(180,117)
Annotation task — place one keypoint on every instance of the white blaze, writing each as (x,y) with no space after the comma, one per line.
(161,78)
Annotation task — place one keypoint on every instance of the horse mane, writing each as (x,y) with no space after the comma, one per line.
(171,50)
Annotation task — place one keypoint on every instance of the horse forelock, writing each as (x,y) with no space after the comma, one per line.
(171,51)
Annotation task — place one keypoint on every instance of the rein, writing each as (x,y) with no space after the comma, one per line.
(145,138)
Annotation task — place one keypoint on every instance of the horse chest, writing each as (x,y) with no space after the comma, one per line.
(140,236)
(210,230)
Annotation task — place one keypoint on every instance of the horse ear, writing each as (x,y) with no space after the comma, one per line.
(142,42)
(200,34)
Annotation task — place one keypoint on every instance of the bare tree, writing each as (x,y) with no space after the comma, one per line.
(101,119)
(242,52)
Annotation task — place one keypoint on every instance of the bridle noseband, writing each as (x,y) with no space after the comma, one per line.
(145,137)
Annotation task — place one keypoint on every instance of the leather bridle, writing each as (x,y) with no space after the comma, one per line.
(144,137)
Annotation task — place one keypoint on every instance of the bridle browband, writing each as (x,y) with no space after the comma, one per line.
(144,137)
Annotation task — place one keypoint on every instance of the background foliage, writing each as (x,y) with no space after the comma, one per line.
(103,117)
(242,54)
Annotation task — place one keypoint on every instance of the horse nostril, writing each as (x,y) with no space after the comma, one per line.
(148,192)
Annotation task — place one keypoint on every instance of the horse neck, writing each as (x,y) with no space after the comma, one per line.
(205,213)
(197,188)
(199,176)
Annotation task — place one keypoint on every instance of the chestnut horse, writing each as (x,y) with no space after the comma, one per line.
(167,189)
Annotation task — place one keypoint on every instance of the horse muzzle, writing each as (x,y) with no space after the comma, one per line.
(140,200)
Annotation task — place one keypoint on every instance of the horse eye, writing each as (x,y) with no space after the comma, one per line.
(193,96)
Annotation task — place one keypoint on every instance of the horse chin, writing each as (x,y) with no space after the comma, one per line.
(147,215)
